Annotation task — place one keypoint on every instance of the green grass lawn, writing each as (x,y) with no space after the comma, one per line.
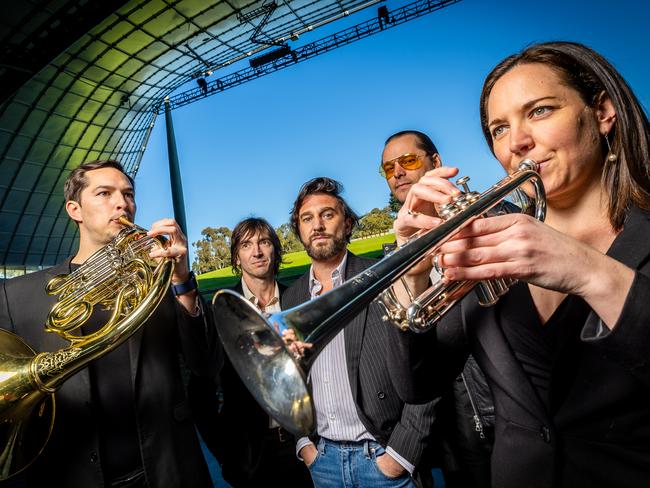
(295,264)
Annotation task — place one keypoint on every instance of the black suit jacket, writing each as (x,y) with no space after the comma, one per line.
(406,428)
(596,432)
(170,450)
(235,434)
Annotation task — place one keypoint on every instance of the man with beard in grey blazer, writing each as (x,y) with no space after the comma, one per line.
(366,435)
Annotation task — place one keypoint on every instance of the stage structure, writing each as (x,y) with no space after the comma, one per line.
(86,80)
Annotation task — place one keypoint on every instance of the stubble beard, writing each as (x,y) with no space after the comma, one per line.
(332,248)
(401,194)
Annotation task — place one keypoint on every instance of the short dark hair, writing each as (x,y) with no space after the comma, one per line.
(328,186)
(424,142)
(77,182)
(246,229)
(584,70)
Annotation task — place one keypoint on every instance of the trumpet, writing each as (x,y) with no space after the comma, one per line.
(431,305)
(278,380)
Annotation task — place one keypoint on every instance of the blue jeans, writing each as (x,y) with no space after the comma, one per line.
(352,465)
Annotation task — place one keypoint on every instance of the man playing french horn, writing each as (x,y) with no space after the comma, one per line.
(123,421)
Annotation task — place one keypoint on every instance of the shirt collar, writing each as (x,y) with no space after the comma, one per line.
(248,294)
(338,277)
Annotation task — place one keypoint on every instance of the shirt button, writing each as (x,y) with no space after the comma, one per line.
(381,395)
(332,416)
(93,457)
(326,381)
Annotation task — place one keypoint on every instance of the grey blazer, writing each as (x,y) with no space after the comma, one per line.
(170,450)
(406,428)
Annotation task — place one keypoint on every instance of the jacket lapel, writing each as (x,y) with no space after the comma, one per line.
(355,329)
(631,246)
(80,382)
(135,343)
(506,371)
(297,294)
(238,288)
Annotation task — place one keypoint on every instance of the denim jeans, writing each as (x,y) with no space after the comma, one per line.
(351,465)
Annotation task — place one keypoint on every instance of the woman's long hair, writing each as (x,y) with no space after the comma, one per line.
(626,180)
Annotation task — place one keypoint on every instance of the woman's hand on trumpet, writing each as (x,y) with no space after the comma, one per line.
(514,246)
(519,246)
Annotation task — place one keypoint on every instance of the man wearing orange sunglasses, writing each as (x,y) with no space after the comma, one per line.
(465,414)
(406,157)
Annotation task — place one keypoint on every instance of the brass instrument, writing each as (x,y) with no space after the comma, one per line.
(121,277)
(269,369)
(432,304)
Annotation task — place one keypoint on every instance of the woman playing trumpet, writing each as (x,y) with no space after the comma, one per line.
(566,350)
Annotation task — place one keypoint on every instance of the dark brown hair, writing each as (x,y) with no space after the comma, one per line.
(77,181)
(627,180)
(424,142)
(246,229)
(328,186)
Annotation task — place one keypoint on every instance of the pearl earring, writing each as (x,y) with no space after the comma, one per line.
(611,157)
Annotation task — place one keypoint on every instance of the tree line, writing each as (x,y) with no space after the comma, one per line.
(212,250)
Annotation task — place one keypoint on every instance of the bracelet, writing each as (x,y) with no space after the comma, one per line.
(186,287)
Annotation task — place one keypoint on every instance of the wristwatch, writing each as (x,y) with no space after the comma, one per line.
(186,287)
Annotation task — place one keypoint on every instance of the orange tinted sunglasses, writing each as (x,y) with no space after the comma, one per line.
(408,161)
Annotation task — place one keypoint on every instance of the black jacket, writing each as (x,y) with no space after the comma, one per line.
(168,442)
(596,431)
(465,424)
(234,427)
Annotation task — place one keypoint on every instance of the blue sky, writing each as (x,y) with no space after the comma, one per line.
(247,151)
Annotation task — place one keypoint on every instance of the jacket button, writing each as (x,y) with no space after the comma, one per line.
(545,434)
(381,395)
(93,457)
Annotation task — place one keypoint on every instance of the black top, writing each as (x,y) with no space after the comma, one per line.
(536,345)
(112,394)
(596,431)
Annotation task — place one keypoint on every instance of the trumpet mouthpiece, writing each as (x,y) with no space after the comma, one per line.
(529,164)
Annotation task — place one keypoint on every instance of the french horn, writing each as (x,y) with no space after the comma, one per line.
(120,277)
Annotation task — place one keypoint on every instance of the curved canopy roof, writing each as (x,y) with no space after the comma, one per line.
(83,80)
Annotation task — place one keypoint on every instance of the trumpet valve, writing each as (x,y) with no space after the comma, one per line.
(448,210)
(463,182)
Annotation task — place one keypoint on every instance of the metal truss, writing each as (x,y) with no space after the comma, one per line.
(385,19)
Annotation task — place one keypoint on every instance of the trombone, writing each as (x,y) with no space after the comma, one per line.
(278,381)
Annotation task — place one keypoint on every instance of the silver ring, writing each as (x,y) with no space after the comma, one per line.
(412,212)
(437,264)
